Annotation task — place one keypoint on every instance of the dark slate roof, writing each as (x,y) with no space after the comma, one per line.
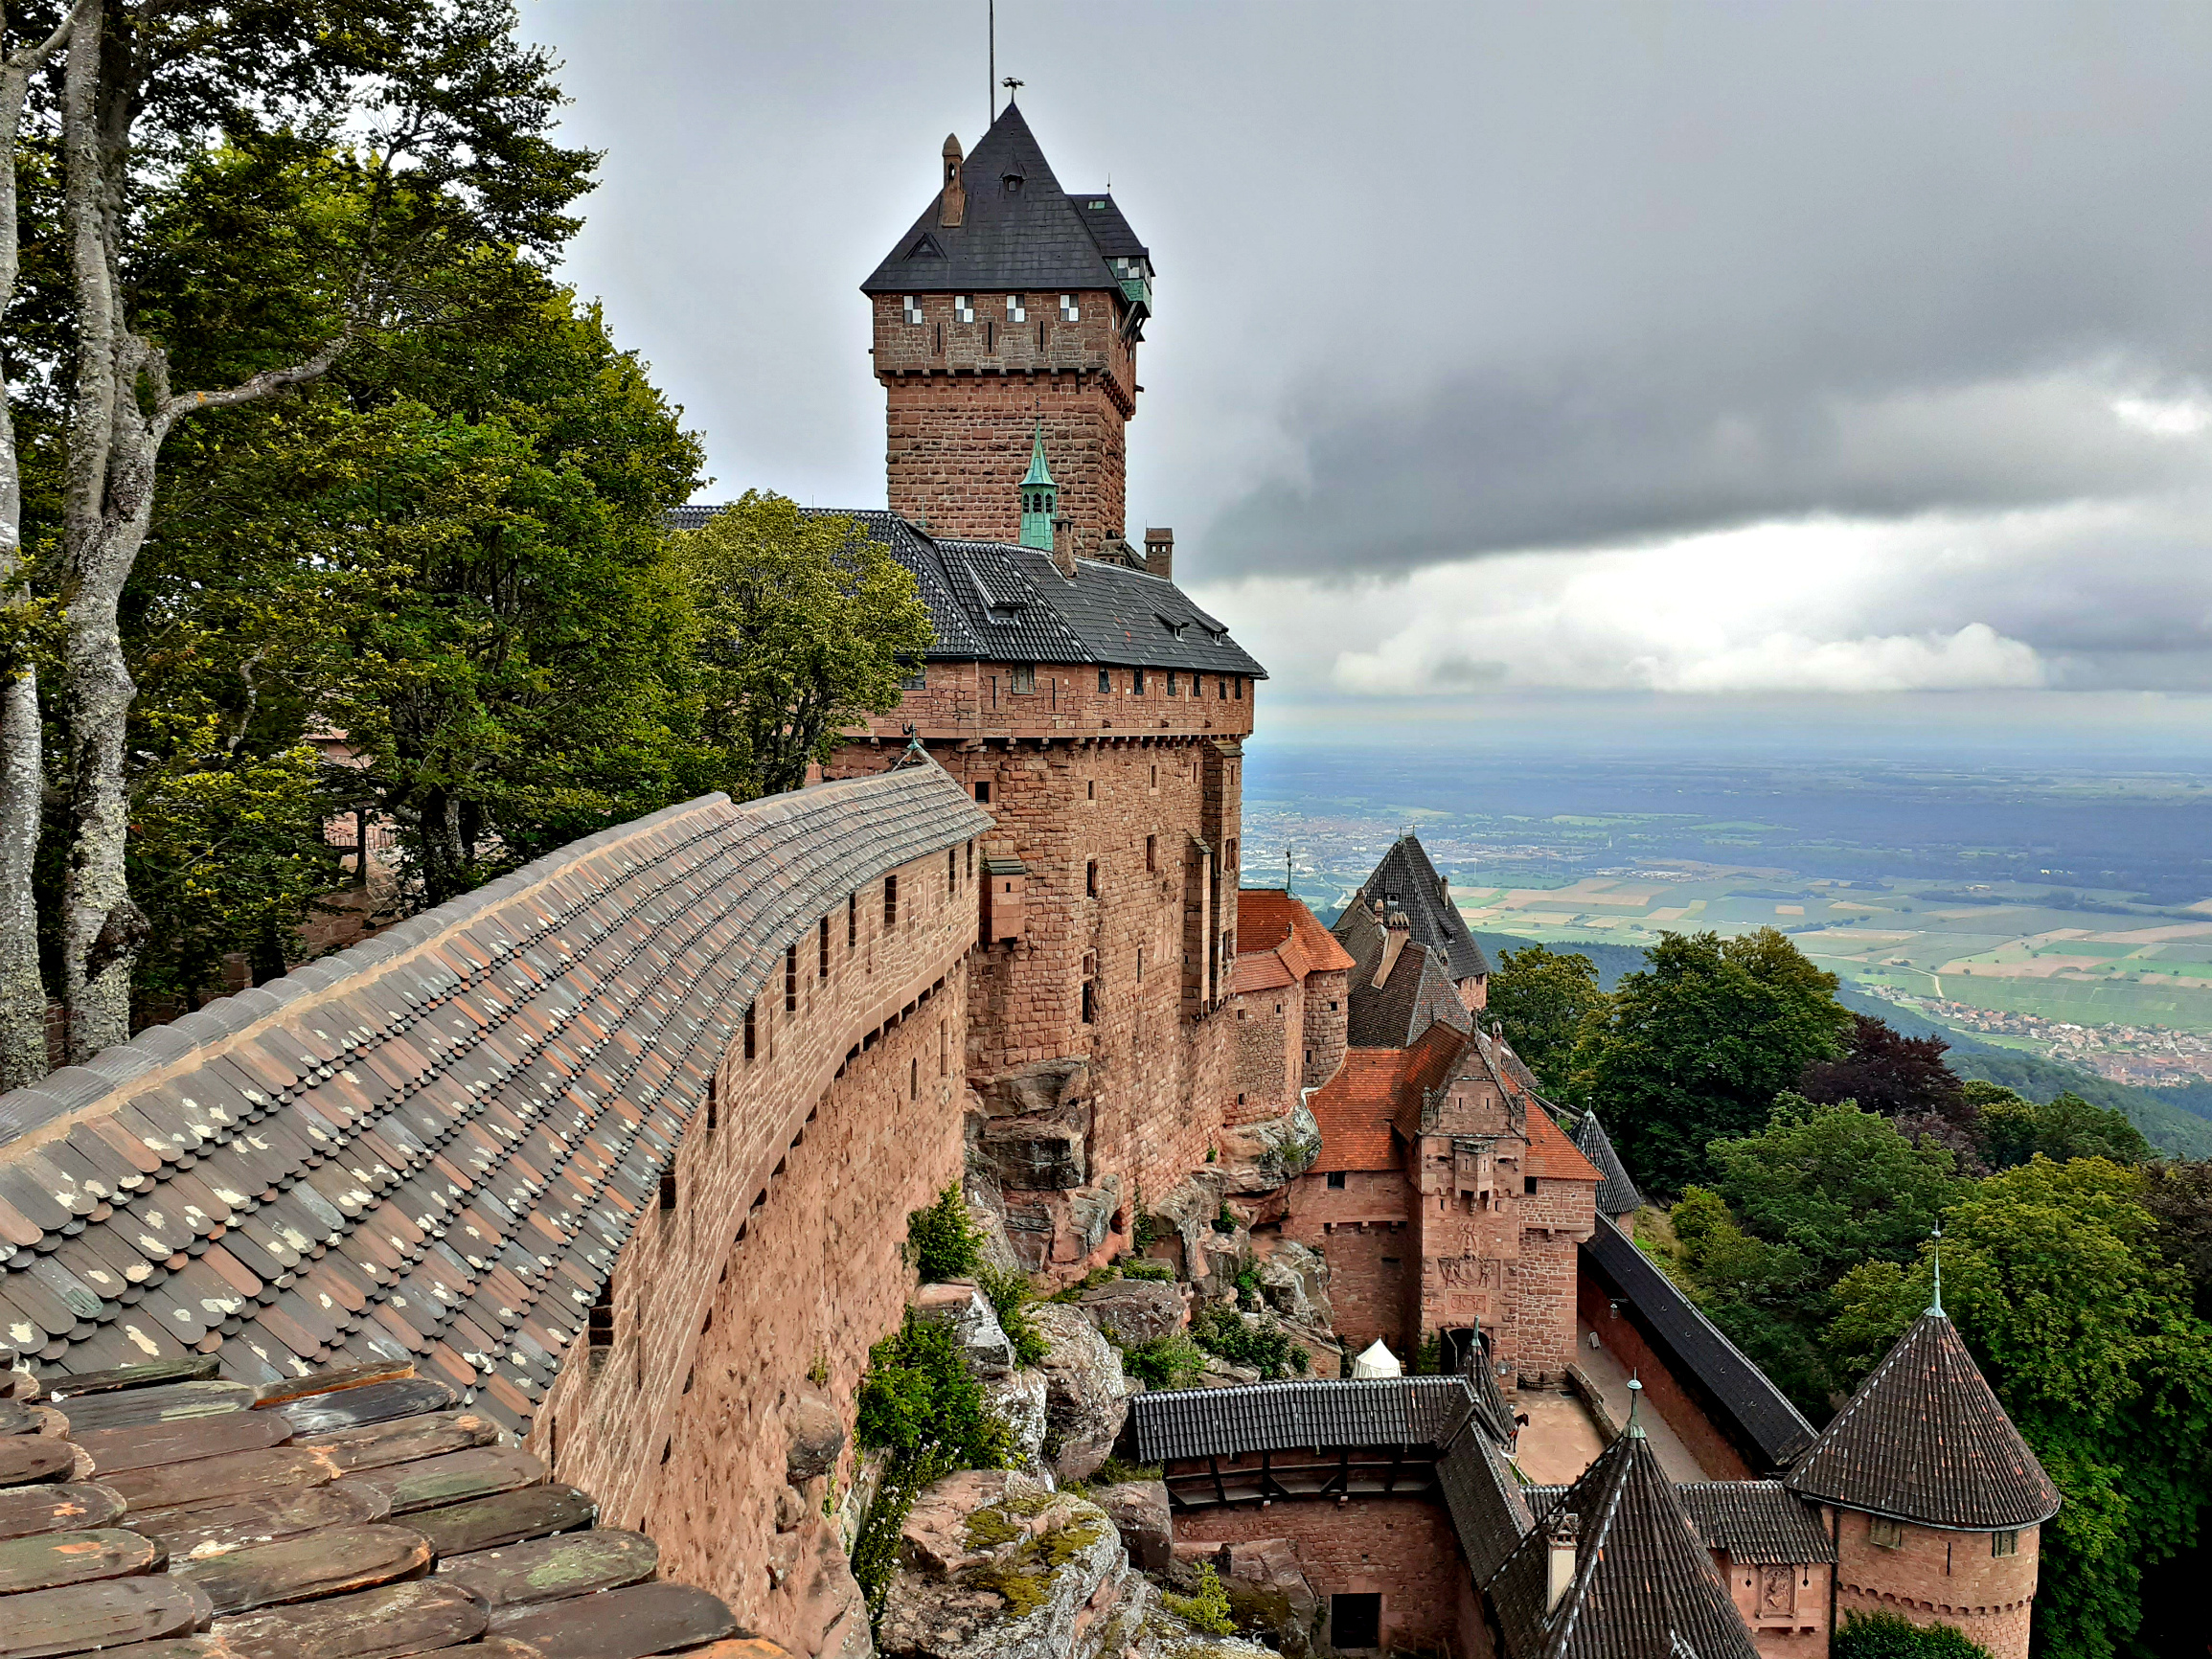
(1032,239)
(1617,1194)
(1745,1403)
(1398,1012)
(1405,880)
(1485,1501)
(1102,218)
(993,602)
(1644,1587)
(432,1144)
(1749,1520)
(1199,1423)
(346,1512)
(1924,1440)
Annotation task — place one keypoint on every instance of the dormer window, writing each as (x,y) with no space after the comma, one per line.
(1069,310)
(910,308)
(964,308)
(1016,310)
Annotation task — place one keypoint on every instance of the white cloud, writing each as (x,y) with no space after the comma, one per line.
(2165,416)
(1831,606)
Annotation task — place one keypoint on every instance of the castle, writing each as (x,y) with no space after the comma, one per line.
(595,1181)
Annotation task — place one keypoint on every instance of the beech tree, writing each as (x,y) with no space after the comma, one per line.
(428,124)
(803,624)
(1544,1000)
(1700,1043)
(22,742)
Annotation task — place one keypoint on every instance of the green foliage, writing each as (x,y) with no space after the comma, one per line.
(2013,1131)
(1170,1361)
(1428,1357)
(1892,1636)
(226,855)
(803,624)
(1011,1294)
(1262,1344)
(2179,1196)
(1700,1043)
(1209,1609)
(1545,1001)
(2088,1335)
(1137,1267)
(919,1402)
(943,1239)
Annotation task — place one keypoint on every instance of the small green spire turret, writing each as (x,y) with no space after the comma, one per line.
(1038,497)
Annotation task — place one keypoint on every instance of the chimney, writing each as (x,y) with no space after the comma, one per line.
(1560,1575)
(952,205)
(1400,930)
(1064,547)
(1160,552)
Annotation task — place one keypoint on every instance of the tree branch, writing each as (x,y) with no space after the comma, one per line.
(266,384)
(29,58)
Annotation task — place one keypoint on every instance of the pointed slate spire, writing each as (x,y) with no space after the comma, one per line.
(1935,1300)
(1038,496)
(1926,1440)
(1640,1579)
(1617,1194)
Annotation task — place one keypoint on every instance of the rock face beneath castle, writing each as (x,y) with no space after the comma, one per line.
(994,1565)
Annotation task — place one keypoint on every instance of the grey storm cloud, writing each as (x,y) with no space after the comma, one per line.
(1447,280)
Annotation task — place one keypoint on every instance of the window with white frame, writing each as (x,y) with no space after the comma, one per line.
(1069,310)
(1017,308)
(910,308)
(964,308)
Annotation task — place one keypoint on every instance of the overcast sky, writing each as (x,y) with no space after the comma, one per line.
(1829,365)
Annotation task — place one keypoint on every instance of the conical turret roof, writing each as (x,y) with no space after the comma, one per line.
(1617,1194)
(1644,1583)
(1924,1440)
(1039,471)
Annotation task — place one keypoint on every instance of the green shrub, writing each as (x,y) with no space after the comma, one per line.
(1889,1636)
(1209,1609)
(1248,1290)
(1172,1361)
(1137,1267)
(1265,1348)
(1011,1295)
(944,1241)
(920,1403)
(1428,1357)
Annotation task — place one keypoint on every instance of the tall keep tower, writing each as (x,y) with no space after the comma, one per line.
(1009,313)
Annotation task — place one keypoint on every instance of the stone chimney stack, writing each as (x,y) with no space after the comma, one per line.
(1560,1565)
(1064,547)
(1160,552)
(952,205)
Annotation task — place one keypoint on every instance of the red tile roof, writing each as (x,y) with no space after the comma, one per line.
(1261,970)
(1551,1155)
(1266,914)
(1355,1107)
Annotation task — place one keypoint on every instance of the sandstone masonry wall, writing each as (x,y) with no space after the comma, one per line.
(1933,1577)
(781,1251)
(1363,1230)
(1270,1024)
(1402,1548)
(1663,1392)
(1327,1009)
(965,398)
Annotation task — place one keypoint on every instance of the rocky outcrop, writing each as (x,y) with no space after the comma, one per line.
(1294,1279)
(1087,1395)
(1033,1154)
(1061,1228)
(1131,1312)
(815,1606)
(992,1565)
(1261,1157)
(1139,1510)
(983,1341)
(1269,1594)
(1018,1400)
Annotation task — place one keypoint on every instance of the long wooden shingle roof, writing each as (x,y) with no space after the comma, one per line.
(432,1145)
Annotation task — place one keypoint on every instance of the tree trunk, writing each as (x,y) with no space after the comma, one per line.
(116,428)
(22,759)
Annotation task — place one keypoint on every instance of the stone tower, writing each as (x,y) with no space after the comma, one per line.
(1934,1502)
(1006,324)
